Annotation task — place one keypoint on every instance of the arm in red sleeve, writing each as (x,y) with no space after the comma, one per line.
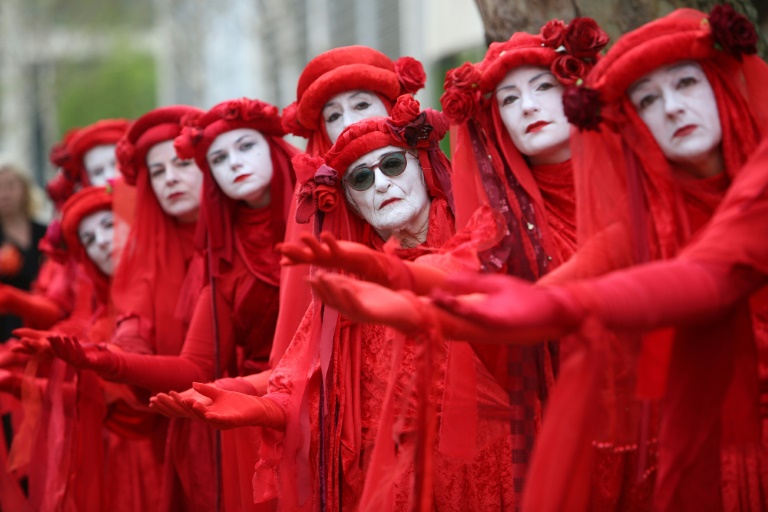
(37,311)
(195,363)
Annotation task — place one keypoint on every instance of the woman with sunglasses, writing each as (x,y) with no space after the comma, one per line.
(346,428)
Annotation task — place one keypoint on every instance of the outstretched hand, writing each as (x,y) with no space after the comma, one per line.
(170,404)
(70,350)
(505,302)
(366,302)
(230,409)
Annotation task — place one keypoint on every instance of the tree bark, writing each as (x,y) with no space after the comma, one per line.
(502,18)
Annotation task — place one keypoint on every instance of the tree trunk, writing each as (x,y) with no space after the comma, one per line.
(502,18)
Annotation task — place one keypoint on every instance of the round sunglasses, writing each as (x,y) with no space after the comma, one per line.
(391,164)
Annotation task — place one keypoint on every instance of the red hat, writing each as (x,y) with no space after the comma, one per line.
(686,34)
(70,153)
(345,69)
(407,127)
(570,51)
(199,132)
(154,127)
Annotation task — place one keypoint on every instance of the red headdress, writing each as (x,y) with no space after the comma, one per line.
(87,201)
(79,142)
(635,206)
(148,281)
(217,210)
(346,69)
(490,169)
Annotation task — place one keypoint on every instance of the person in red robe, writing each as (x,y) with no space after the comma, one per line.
(679,110)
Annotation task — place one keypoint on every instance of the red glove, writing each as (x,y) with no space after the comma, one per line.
(170,404)
(90,357)
(10,382)
(36,311)
(374,266)
(230,409)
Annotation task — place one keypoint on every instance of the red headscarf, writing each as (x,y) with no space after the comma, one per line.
(148,282)
(346,69)
(216,225)
(490,169)
(79,142)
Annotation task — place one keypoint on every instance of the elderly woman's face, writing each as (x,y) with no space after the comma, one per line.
(396,192)
(176,182)
(350,107)
(241,164)
(530,101)
(96,233)
(100,164)
(678,105)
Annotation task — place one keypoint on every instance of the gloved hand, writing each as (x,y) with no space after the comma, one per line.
(170,404)
(370,303)
(230,409)
(374,266)
(10,382)
(504,302)
(87,357)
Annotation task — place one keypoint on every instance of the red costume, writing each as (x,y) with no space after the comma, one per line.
(538,202)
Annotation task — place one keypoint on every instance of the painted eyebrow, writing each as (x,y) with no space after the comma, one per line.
(529,81)
(331,103)
(105,219)
(637,85)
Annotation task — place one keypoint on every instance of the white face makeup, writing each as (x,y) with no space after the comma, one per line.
(241,165)
(350,107)
(393,205)
(99,162)
(96,232)
(176,182)
(530,102)
(679,108)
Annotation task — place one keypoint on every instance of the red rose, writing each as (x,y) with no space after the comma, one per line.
(231,110)
(410,74)
(190,119)
(568,69)
(305,166)
(553,34)
(126,155)
(585,38)
(732,31)
(326,197)
(464,77)
(405,110)
(291,123)
(60,188)
(582,107)
(459,105)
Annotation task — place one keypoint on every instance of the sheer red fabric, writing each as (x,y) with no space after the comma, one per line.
(640,209)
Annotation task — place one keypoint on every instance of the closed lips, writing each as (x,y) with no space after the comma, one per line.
(534,127)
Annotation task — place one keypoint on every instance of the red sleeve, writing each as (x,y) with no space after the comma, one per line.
(193,364)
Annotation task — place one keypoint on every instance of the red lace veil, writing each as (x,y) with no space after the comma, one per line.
(633,207)
(150,280)
(321,198)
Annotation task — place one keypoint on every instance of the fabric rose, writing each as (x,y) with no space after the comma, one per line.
(553,34)
(405,110)
(126,160)
(568,69)
(410,73)
(60,188)
(185,143)
(459,104)
(582,107)
(584,38)
(732,31)
(52,244)
(465,76)
(291,124)
(232,110)
(326,197)
(305,166)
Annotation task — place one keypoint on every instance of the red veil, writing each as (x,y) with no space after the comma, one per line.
(633,207)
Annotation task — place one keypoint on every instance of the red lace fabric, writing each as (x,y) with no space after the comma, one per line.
(642,198)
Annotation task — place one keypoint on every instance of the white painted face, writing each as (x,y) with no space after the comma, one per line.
(392,203)
(350,107)
(678,105)
(241,165)
(176,182)
(100,164)
(96,232)
(530,101)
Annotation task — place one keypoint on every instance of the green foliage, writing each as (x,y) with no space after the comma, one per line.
(123,84)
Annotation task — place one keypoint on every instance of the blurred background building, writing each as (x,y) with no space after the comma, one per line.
(68,63)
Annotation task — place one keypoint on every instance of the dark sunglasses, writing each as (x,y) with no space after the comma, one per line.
(391,164)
